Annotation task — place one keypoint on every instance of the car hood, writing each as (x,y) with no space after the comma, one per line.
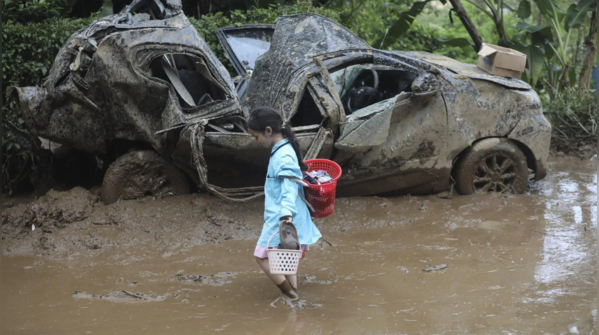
(469,70)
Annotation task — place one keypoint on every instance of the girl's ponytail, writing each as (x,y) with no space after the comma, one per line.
(288,133)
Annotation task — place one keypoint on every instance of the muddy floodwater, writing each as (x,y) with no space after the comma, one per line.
(495,264)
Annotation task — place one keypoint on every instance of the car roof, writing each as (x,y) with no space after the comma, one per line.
(297,39)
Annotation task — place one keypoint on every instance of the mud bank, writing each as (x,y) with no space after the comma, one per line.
(60,224)
(485,264)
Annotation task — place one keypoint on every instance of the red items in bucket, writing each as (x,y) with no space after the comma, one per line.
(322,196)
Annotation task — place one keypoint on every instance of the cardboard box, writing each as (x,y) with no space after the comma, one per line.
(501,61)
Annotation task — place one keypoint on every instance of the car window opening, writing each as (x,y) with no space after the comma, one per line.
(360,86)
(190,77)
(307,112)
(234,124)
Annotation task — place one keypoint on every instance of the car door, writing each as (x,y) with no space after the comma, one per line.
(394,144)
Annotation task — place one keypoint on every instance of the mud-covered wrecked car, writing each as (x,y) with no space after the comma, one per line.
(143,91)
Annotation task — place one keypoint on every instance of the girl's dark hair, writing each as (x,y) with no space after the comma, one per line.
(263,117)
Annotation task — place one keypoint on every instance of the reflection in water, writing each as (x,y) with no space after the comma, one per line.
(569,236)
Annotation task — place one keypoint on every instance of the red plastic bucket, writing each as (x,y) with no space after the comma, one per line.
(322,197)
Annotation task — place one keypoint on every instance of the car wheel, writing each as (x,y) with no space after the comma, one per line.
(142,173)
(494,165)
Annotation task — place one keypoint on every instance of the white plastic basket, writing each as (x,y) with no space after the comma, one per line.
(283,261)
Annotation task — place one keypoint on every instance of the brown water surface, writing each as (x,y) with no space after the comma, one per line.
(522,264)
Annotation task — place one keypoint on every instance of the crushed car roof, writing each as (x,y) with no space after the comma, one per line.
(296,40)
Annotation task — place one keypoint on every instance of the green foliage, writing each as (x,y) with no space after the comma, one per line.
(370,20)
(33,10)
(577,13)
(401,25)
(554,33)
(436,31)
(524,9)
(28,53)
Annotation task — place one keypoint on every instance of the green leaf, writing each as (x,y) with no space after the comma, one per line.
(508,7)
(529,28)
(524,9)
(577,13)
(402,24)
(536,58)
(572,75)
(455,42)
(549,9)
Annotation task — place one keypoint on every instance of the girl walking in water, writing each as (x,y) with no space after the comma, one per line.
(282,204)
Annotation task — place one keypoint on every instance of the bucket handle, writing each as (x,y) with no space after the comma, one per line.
(271,236)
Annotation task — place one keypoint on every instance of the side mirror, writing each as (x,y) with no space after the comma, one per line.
(425,86)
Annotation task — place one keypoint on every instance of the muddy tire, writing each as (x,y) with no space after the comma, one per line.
(142,173)
(494,165)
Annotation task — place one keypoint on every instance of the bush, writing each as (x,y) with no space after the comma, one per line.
(573,115)
(28,53)
(32,10)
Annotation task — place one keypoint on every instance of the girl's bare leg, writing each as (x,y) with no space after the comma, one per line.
(292,279)
(285,286)
(263,262)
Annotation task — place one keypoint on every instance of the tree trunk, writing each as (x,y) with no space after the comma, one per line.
(503,42)
(470,27)
(565,78)
(577,52)
(589,53)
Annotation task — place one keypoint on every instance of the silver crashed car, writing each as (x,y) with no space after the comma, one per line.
(143,92)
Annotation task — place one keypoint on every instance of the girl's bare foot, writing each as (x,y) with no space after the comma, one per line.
(288,291)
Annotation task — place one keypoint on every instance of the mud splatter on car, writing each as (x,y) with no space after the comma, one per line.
(397,122)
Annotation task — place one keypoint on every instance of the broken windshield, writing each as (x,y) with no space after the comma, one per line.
(245,44)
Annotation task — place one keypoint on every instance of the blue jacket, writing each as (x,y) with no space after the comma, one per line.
(281,197)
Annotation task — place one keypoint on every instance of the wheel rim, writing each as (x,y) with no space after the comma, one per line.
(495,173)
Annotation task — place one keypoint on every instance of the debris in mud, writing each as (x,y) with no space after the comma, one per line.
(77,221)
(324,243)
(129,282)
(584,148)
(218,279)
(403,269)
(447,195)
(308,278)
(103,218)
(435,268)
(300,304)
(55,209)
(120,296)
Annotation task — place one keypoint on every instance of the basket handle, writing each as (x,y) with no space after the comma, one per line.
(271,236)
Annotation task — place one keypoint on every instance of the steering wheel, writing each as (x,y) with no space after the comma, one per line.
(361,95)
